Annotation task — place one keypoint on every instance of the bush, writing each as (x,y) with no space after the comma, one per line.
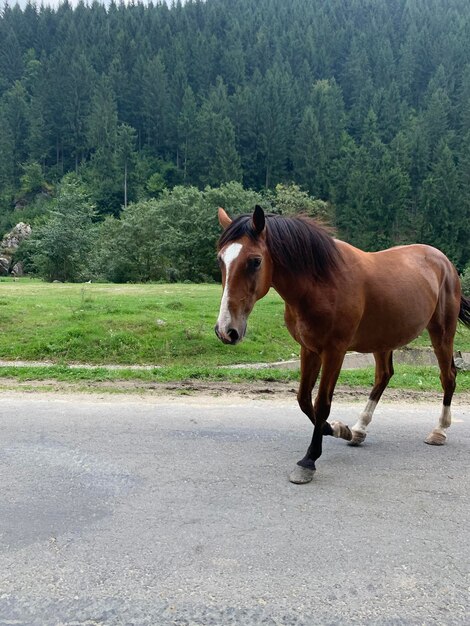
(60,245)
(172,237)
(292,200)
(465,279)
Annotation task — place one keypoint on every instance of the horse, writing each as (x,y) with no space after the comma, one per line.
(339,298)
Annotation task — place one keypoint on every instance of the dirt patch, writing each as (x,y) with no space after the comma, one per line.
(250,391)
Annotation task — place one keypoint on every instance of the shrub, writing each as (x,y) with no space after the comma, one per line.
(465,279)
(60,246)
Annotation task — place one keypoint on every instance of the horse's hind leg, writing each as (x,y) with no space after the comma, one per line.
(443,349)
(383,374)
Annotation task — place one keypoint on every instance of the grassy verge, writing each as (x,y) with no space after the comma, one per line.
(406,376)
(130,324)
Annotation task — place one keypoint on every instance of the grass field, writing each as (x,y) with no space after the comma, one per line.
(132,324)
(165,325)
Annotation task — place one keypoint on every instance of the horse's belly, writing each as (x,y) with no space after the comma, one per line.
(379,331)
(369,342)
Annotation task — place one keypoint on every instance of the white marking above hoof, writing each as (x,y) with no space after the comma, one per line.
(436,438)
(301,475)
(341,431)
(357,438)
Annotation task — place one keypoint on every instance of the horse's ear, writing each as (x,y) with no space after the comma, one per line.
(259,220)
(224,219)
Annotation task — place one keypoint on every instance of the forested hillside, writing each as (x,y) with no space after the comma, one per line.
(363,103)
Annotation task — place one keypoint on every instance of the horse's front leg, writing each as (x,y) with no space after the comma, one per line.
(305,468)
(310,364)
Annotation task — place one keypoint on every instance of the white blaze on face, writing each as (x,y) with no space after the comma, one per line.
(229,255)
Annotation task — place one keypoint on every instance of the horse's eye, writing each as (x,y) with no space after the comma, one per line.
(254,263)
(219,261)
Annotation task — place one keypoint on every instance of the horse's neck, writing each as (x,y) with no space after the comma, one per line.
(297,289)
(292,289)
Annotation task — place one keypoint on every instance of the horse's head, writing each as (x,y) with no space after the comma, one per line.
(246,272)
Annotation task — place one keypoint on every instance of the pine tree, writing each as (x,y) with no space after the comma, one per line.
(102,118)
(11,62)
(441,199)
(155,104)
(125,155)
(463,202)
(7,160)
(187,133)
(436,119)
(225,164)
(216,159)
(308,153)
(274,103)
(15,110)
(103,173)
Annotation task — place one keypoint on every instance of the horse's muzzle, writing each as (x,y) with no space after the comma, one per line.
(230,337)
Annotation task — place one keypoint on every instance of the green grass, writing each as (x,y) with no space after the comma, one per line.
(169,325)
(406,376)
(129,324)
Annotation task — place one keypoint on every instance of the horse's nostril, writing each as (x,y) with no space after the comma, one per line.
(233,334)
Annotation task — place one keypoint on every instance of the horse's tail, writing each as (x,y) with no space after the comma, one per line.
(464,315)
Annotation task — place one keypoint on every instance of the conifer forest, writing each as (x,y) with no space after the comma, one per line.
(122,127)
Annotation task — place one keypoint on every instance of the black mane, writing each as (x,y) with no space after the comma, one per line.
(297,244)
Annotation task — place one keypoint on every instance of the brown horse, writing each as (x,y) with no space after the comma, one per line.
(339,298)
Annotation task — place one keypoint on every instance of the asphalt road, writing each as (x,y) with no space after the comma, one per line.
(179,512)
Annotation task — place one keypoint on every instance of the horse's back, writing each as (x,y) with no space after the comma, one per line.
(416,266)
(401,289)
(402,268)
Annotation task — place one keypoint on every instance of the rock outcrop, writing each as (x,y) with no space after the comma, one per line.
(8,247)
